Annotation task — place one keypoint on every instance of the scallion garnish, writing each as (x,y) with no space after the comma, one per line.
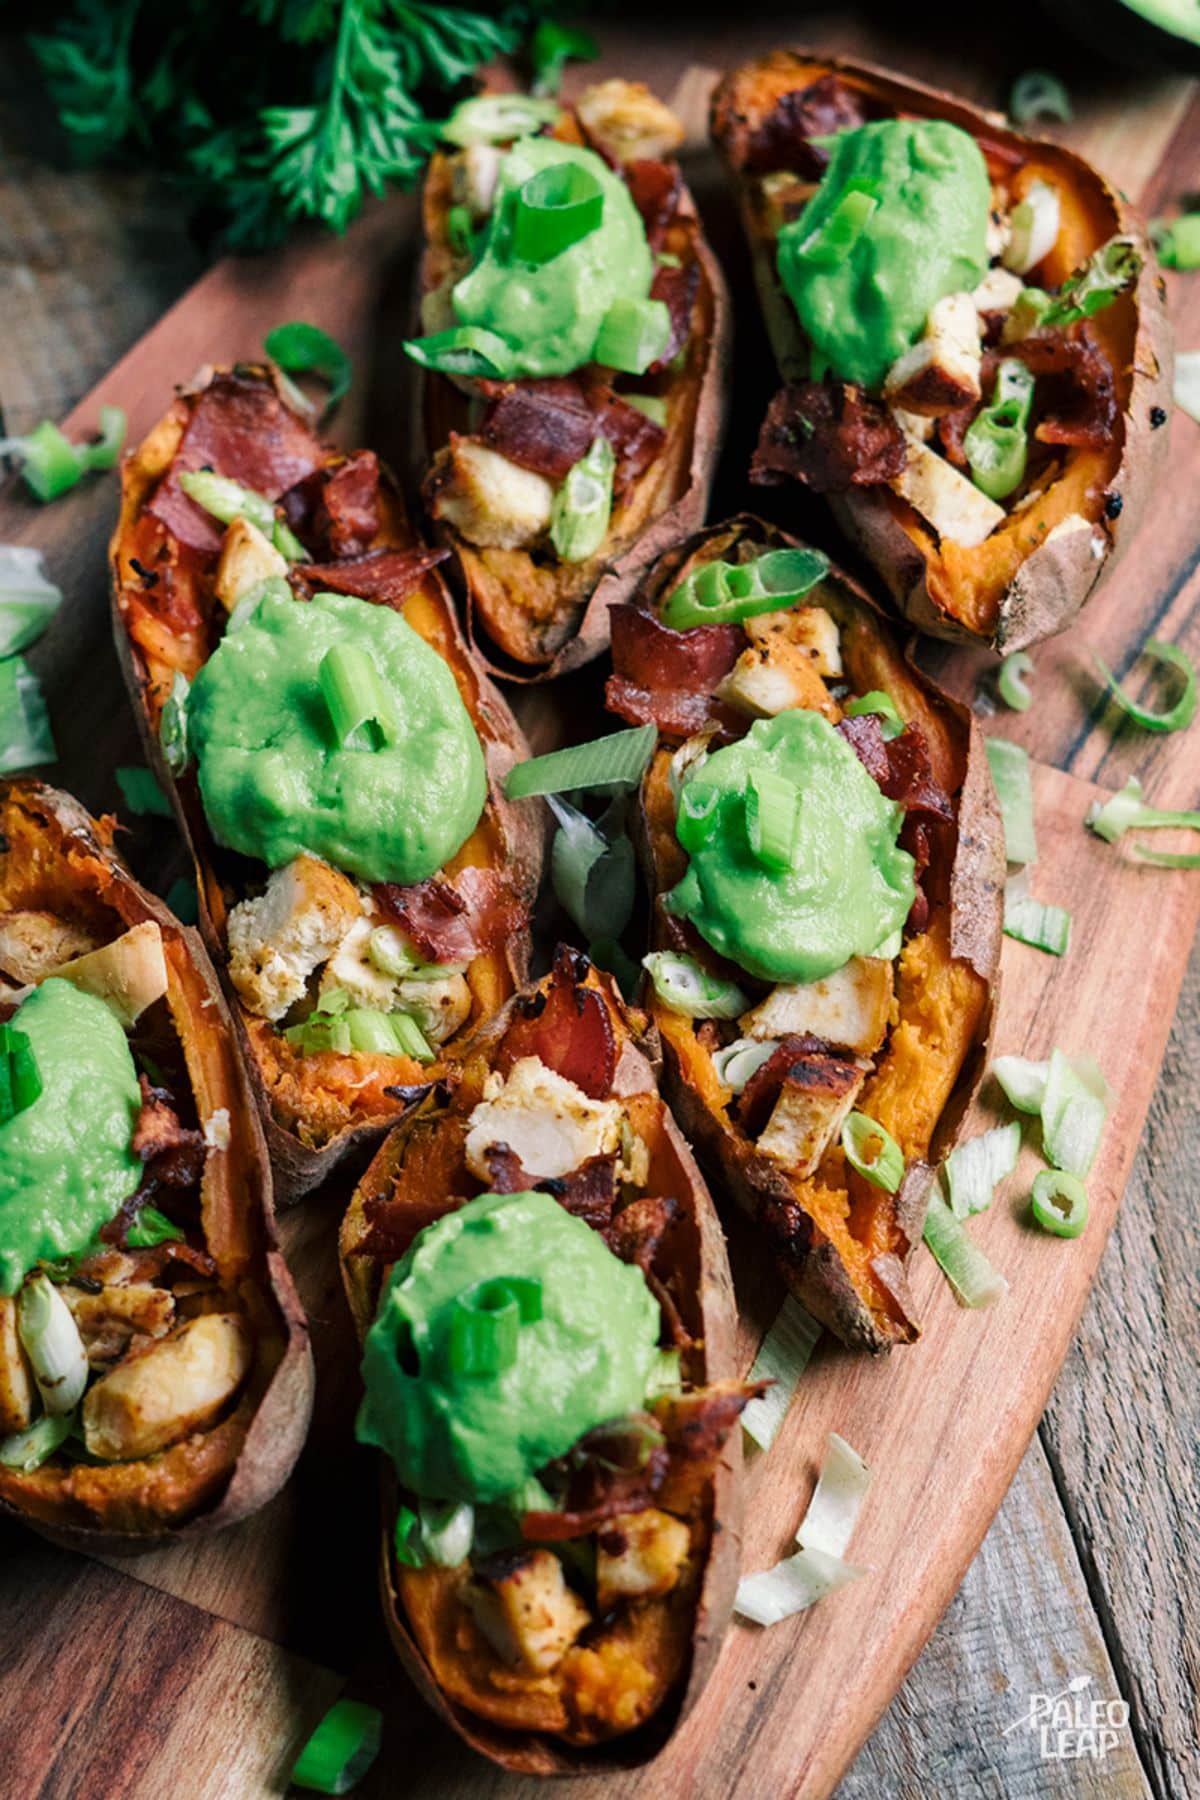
(1109,270)
(28,601)
(1074,1109)
(1023,1081)
(552,47)
(27,1450)
(447,1531)
(486,1321)
(653,405)
(344,1029)
(685,987)
(633,334)
(582,506)
(341,1749)
(973,1169)
(1034,225)
(228,500)
(1038,95)
(1011,773)
(772,804)
(593,874)
(616,761)
(996,443)
(876,701)
(468,350)
(1125,811)
(1034,922)
(152,1227)
(358,703)
(141,793)
(25,734)
(303,349)
(552,210)
(722,593)
(1186,392)
(782,1358)
(1060,1203)
(964,1265)
(736,1063)
(406,1539)
(20,1077)
(818,1568)
(1177,241)
(837,234)
(173,725)
(1012,682)
(497,119)
(50,1339)
(873,1152)
(837,1500)
(51,465)
(1177,717)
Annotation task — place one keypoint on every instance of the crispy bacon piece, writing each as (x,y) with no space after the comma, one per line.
(241,428)
(589,1192)
(676,288)
(696,1425)
(454,921)
(637,1231)
(569,1028)
(655,188)
(352,504)
(667,677)
(800,1058)
(1074,398)
(172,1155)
(900,766)
(615,1468)
(830,435)
(637,440)
(434,1169)
(549,425)
(385,576)
(784,139)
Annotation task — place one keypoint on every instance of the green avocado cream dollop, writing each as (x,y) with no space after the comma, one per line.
(848,886)
(587,1359)
(276,781)
(863,299)
(549,313)
(66,1161)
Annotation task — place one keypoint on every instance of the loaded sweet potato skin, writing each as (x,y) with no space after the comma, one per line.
(842,1243)
(530,616)
(646,1668)
(316,1108)
(56,859)
(1029,578)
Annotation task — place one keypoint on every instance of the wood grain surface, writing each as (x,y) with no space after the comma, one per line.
(199,1672)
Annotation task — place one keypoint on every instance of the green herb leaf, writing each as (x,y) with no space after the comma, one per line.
(303,349)
(553,47)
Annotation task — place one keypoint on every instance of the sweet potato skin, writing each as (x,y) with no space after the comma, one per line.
(508,836)
(816,1273)
(211,1480)
(509,642)
(1047,587)
(714,1317)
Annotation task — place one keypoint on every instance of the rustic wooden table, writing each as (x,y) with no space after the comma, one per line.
(1091,1565)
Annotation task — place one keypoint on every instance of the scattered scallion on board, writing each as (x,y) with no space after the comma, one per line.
(340,1750)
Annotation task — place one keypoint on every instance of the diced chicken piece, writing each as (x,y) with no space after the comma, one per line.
(848,1009)
(36,944)
(487,499)
(773,676)
(247,557)
(625,120)
(784,197)
(440,1007)
(440,1004)
(998,291)
(473,176)
(17,1391)
(941,372)
(639,1556)
(129,974)
(914,425)
(954,506)
(809,628)
(277,940)
(351,969)
(527,1612)
(551,1125)
(815,1097)
(176,1386)
(110,1320)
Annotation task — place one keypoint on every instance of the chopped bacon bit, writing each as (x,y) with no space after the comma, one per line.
(637,1231)
(571,1031)
(588,1192)
(637,440)
(829,435)
(549,425)
(241,428)
(801,1058)
(455,921)
(655,188)
(615,1468)
(676,288)
(696,1426)
(385,576)
(864,734)
(352,502)
(1074,399)
(666,678)
(901,768)
(783,140)
(172,1154)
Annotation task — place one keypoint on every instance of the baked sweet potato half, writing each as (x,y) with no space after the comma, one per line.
(981,404)
(155,1374)
(503,443)
(827,942)
(563,1608)
(298,930)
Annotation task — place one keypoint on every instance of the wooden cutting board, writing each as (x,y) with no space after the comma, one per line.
(229,1651)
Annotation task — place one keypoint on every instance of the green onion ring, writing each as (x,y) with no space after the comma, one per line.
(883,1167)
(1177,717)
(1050,1189)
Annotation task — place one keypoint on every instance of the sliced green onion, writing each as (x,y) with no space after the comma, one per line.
(666,1376)
(840,230)
(791,1586)
(182,899)
(173,724)
(974,1169)
(1038,95)
(1177,241)
(1060,1203)
(653,405)
(1034,224)
(737,1062)
(27,1450)
(633,334)
(1186,391)
(607,954)
(1034,922)
(410,1039)
(878,702)
(1011,682)
(340,1750)
(303,349)
(1168,859)
(406,1539)
(344,1029)
(1012,775)
(468,350)
(28,600)
(447,1531)
(824,1535)
(20,1077)
(552,47)
(486,1321)
(1023,1081)
(1177,717)
(105,448)
(50,1339)
(828,1525)
(391,953)
(152,1227)
(459,230)
(371,1031)
(722,593)
(873,1152)
(1106,274)
(497,119)
(685,987)
(582,506)
(772,817)
(25,734)
(782,1358)
(227,500)
(964,1265)
(1124,811)
(594,875)
(141,793)
(554,209)
(616,761)
(359,706)
(51,465)
(1074,1109)
(996,443)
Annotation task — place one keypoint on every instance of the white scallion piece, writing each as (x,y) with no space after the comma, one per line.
(51,1341)
(974,1169)
(782,1359)
(818,1568)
